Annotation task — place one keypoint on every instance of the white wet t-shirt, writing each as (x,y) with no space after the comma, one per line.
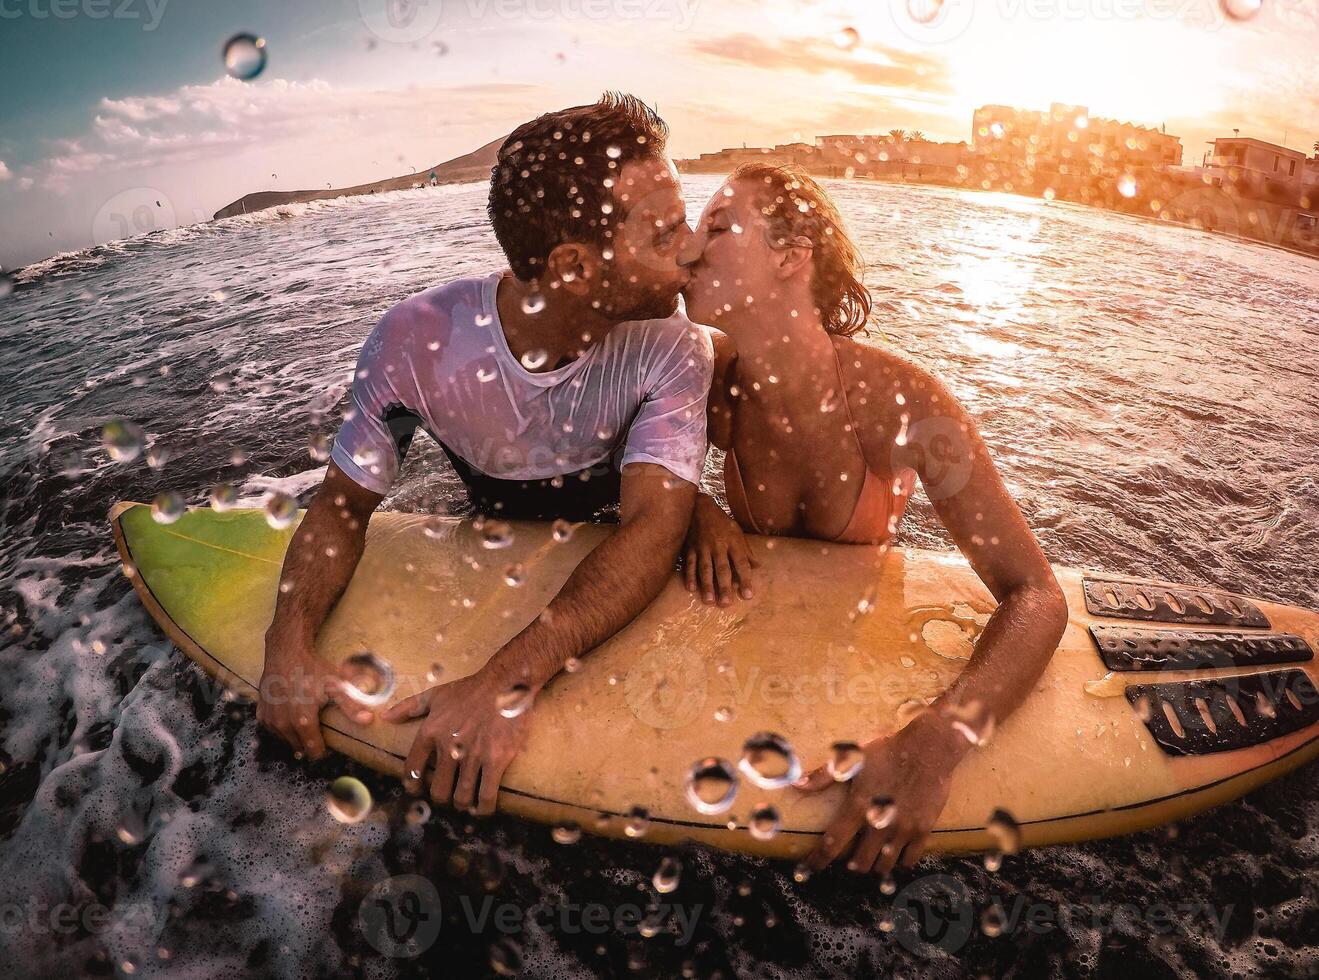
(439,360)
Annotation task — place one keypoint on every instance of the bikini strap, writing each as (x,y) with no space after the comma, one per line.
(851,420)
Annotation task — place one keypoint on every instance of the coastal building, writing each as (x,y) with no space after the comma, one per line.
(1067,139)
(1257,168)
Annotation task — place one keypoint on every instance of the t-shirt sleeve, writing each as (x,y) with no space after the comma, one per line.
(379,422)
(669,427)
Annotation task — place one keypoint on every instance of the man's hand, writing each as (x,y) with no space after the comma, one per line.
(294,688)
(472,728)
(894,801)
(717,555)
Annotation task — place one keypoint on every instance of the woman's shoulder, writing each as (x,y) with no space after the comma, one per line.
(874,370)
(888,392)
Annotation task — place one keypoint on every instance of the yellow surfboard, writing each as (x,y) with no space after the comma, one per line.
(1162,700)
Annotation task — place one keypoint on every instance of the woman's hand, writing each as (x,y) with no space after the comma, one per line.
(717,555)
(894,801)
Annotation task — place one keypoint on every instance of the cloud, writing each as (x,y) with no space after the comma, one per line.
(873,64)
(225,117)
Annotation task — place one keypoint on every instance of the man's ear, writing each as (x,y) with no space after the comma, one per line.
(788,261)
(574,268)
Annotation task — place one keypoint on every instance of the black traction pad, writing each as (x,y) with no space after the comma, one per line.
(1267,706)
(1169,604)
(1129,648)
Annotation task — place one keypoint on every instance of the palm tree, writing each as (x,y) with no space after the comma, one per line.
(897,135)
(916,136)
(1316,148)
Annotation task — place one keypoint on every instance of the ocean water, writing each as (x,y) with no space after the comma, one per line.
(1151,395)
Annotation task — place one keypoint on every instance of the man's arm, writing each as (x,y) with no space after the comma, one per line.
(320,562)
(607,590)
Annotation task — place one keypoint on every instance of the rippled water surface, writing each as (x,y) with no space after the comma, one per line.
(1152,396)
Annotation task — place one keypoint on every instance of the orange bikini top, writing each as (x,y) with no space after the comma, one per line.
(878,509)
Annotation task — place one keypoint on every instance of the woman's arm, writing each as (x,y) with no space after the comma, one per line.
(914,766)
(719,409)
(716,557)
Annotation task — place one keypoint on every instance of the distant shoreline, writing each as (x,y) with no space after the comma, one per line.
(1208,206)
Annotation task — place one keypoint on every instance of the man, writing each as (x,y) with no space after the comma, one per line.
(531,382)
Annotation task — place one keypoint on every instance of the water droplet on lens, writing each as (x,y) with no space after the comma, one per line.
(368,678)
(348,800)
(567,833)
(924,11)
(845,760)
(514,701)
(419,812)
(638,822)
(485,374)
(1003,827)
(613,152)
(223,496)
(533,303)
(1241,9)
(533,360)
(6,284)
(667,875)
(848,38)
(281,510)
(881,812)
(245,56)
(711,785)
(993,920)
(157,456)
(973,721)
(1126,185)
(319,446)
(506,958)
(496,535)
(168,507)
(514,576)
(122,439)
(764,822)
(769,761)
(561,530)
(434,674)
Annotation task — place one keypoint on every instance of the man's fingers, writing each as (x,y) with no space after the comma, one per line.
(817,779)
(408,708)
(309,730)
(446,767)
(892,849)
(418,756)
(915,850)
(491,776)
(838,837)
(867,849)
(464,796)
(689,569)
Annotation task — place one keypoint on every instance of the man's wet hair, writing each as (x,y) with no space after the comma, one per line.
(555,174)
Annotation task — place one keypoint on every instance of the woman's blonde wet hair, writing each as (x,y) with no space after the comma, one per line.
(796,206)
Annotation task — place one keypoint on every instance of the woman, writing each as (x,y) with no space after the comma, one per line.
(825,437)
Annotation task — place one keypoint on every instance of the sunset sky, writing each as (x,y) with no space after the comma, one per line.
(102,111)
